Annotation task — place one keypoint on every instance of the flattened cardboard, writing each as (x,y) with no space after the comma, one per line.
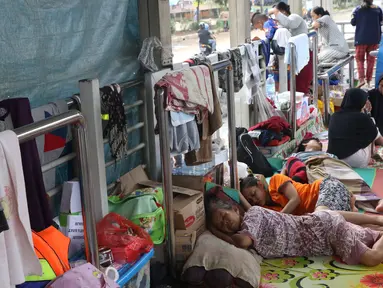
(137,179)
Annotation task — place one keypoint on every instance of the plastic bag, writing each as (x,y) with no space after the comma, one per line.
(126,240)
(265,109)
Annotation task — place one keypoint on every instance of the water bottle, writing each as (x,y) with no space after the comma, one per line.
(270,87)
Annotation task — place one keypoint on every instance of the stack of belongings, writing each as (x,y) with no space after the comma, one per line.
(271,134)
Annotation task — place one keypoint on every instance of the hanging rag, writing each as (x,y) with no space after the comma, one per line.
(189,90)
(18,114)
(236,61)
(51,145)
(282,36)
(183,138)
(146,56)
(253,70)
(222,73)
(206,130)
(302,55)
(115,130)
(17,255)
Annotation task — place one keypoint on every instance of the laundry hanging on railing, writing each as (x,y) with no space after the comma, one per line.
(51,145)
(112,109)
(189,91)
(302,52)
(236,61)
(192,92)
(17,113)
(18,259)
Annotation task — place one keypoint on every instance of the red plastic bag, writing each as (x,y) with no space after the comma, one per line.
(126,240)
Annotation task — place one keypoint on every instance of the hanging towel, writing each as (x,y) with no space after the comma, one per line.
(17,254)
(236,61)
(302,52)
(51,145)
(189,90)
(282,36)
(253,71)
(222,73)
(19,111)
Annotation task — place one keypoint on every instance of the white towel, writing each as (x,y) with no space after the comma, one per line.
(302,52)
(17,255)
(282,36)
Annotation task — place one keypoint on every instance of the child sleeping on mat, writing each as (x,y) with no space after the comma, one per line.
(275,235)
(287,196)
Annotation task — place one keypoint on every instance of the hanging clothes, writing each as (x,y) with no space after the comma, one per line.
(18,114)
(222,73)
(51,145)
(302,54)
(112,107)
(207,129)
(236,61)
(17,255)
(189,91)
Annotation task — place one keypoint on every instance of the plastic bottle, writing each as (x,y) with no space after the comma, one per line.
(270,87)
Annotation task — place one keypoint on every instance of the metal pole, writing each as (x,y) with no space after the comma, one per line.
(326,100)
(293,89)
(163,117)
(351,66)
(87,197)
(315,70)
(234,181)
(42,127)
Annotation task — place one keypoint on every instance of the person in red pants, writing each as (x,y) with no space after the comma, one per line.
(367,18)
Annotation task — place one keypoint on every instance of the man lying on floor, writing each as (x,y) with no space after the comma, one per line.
(275,235)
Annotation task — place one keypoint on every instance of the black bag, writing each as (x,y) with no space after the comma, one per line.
(248,153)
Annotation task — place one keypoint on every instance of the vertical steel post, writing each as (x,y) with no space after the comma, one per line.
(234,181)
(315,70)
(326,99)
(293,89)
(163,117)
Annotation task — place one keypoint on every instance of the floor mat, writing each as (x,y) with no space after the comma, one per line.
(368,175)
(305,272)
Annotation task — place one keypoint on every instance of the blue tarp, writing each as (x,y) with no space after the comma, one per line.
(47,46)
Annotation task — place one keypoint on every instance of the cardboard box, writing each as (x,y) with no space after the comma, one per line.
(188,206)
(185,243)
(194,179)
(137,179)
(189,212)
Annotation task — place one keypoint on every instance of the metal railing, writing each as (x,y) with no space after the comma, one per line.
(72,117)
(325,77)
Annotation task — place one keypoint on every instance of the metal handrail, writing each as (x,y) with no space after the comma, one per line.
(72,117)
(325,77)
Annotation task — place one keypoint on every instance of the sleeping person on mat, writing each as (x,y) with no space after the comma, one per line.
(290,197)
(276,235)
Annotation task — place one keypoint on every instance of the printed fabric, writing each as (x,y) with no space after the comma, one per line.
(278,235)
(189,90)
(236,61)
(334,195)
(222,73)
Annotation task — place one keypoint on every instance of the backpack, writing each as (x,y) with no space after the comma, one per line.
(248,152)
